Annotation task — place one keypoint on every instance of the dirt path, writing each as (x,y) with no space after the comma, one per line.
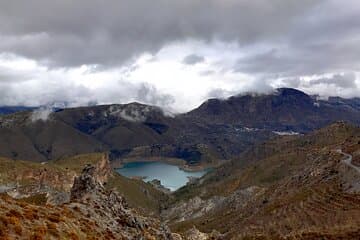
(348,160)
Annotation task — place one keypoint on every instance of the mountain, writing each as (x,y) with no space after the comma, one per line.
(57,180)
(217,130)
(291,187)
(126,131)
(13,109)
(284,110)
(351,103)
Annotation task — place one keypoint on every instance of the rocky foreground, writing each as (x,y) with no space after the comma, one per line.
(92,213)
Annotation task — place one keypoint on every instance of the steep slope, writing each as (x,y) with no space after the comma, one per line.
(289,188)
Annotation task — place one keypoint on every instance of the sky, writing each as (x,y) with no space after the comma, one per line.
(175,54)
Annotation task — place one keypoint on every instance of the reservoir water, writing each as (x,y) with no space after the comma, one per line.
(171,176)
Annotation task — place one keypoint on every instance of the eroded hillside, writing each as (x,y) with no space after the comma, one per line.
(291,187)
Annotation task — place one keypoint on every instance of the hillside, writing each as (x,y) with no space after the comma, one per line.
(284,110)
(217,130)
(290,187)
(293,186)
(91,213)
(131,131)
(51,182)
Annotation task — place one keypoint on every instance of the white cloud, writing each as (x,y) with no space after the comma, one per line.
(41,114)
(159,79)
(174,54)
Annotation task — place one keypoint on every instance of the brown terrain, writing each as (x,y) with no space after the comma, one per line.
(291,187)
(92,213)
(295,188)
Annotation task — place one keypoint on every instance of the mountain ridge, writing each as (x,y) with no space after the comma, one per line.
(218,129)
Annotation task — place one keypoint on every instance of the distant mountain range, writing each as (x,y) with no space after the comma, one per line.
(284,110)
(218,129)
(13,109)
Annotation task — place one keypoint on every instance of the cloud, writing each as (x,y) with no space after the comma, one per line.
(149,94)
(220,93)
(193,59)
(130,113)
(207,73)
(41,114)
(347,80)
(84,32)
(338,84)
(91,52)
(41,86)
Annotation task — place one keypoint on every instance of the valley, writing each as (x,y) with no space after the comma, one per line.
(263,180)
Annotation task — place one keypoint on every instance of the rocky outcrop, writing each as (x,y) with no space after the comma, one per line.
(92,213)
(103,169)
(195,234)
(85,184)
(157,184)
(112,209)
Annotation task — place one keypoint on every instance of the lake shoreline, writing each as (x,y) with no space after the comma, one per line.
(170,174)
(118,164)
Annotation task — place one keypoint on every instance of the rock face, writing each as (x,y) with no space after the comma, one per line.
(157,184)
(103,169)
(114,212)
(91,180)
(85,184)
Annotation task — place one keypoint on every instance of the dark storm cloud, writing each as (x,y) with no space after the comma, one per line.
(193,59)
(68,33)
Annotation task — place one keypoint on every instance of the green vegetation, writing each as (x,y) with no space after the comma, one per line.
(138,194)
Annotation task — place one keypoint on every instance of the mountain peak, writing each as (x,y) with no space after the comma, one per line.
(290,91)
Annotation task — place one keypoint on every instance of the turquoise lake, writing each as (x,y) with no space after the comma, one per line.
(171,176)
